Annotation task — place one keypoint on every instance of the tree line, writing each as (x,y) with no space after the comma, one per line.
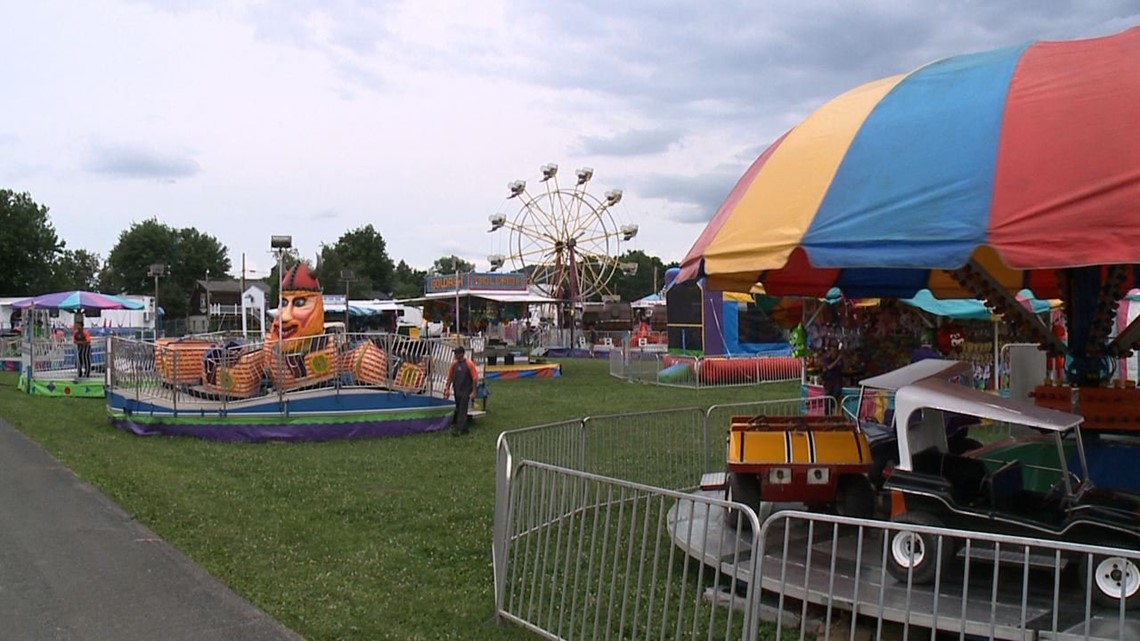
(359,262)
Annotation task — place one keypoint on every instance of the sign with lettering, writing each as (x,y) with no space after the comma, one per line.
(475,282)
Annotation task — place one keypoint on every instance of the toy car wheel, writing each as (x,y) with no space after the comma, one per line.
(855,497)
(1113,578)
(742,488)
(916,556)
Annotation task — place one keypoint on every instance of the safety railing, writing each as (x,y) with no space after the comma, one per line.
(10,347)
(832,576)
(590,557)
(216,371)
(703,371)
(57,357)
(583,550)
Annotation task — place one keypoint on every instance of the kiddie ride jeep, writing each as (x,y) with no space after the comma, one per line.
(827,463)
(931,486)
(823,462)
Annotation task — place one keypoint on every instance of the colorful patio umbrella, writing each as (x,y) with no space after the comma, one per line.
(1024,159)
(75,300)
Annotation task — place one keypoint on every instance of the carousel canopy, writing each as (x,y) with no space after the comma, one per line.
(73,301)
(1022,160)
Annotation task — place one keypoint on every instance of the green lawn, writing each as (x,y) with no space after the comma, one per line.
(376,539)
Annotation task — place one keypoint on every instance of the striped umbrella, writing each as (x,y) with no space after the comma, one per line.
(1022,160)
(76,300)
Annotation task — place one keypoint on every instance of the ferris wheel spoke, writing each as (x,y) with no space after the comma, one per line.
(531,233)
(546,217)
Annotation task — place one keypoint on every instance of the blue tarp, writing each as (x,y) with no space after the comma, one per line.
(966,309)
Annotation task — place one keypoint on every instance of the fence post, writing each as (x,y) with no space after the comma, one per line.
(500,535)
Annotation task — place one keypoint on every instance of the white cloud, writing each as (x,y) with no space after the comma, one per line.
(312,117)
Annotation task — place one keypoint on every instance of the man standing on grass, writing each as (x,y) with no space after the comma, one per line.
(461,378)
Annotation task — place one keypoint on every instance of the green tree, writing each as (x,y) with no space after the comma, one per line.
(28,244)
(362,251)
(77,269)
(187,254)
(451,264)
(650,276)
(408,282)
(273,280)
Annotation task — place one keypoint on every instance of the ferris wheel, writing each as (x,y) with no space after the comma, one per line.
(567,241)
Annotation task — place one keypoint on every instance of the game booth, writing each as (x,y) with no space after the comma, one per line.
(62,353)
(496,306)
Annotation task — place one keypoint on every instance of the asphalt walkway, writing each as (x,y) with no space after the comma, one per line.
(75,566)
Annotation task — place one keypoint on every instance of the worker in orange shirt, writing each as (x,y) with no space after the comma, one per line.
(82,340)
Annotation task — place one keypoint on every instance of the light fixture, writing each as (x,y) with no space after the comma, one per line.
(497,221)
(628,232)
(156,269)
(280,242)
(629,269)
(549,171)
(517,187)
(585,174)
(613,196)
(496,261)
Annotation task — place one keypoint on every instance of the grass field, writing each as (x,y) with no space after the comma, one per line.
(376,539)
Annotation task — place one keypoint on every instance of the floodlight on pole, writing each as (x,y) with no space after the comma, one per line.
(347,277)
(156,270)
(280,246)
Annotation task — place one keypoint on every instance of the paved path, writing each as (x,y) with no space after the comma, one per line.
(73,565)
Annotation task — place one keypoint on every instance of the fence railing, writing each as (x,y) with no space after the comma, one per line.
(703,371)
(57,357)
(593,541)
(10,347)
(220,369)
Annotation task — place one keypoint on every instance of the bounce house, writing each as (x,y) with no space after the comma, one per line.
(722,337)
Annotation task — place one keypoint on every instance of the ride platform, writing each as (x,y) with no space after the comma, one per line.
(524,370)
(61,384)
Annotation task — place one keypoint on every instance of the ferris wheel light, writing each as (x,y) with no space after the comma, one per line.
(517,187)
(549,171)
(585,174)
(613,196)
(496,261)
(497,221)
(628,232)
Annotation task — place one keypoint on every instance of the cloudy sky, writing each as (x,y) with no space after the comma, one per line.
(248,118)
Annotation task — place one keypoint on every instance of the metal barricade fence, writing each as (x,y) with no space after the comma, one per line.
(703,372)
(580,554)
(617,363)
(833,575)
(589,557)
(660,448)
(10,347)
